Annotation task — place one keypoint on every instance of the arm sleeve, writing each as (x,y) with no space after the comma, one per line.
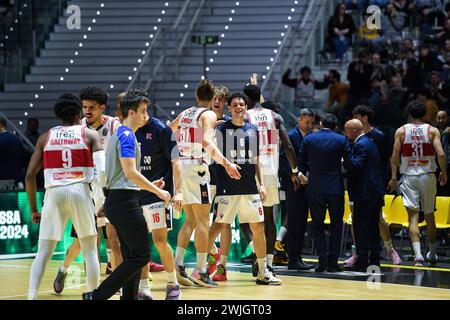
(127,144)
(292,83)
(357,160)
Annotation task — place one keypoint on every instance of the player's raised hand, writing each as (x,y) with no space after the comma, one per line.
(159,183)
(233,170)
(254,79)
(36,217)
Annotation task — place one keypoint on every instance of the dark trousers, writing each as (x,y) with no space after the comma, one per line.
(318,204)
(123,211)
(297,211)
(365,219)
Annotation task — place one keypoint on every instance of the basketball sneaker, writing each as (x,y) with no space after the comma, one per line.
(173,292)
(221,273)
(156,267)
(432,260)
(212,262)
(202,279)
(418,262)
(108,268)
(351,261)
(271,270)
(143,296)
(58,284)
(394,257)
(268,278)
(182,277)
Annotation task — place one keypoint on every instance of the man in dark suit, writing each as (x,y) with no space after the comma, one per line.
(365,186)
(296,202)
(321,152)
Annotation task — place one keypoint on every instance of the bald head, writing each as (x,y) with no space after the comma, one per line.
(353,129)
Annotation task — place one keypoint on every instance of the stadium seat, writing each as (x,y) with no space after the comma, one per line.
(442,212)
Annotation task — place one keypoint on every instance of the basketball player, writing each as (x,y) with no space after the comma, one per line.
(194,128)
(365,114)
(94,100)
(415,149)
(218,255)
(270,128)
(159,159)
(239,141)
(68,154)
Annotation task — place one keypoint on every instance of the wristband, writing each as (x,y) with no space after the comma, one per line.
(295,170)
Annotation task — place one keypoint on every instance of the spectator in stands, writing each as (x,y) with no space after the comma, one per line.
(423,95)
(12,155)
(444,58)
(395,110)
(359,73)
(378,81)
(435,89)
(337,93)
(428,11)
(32,134)
(442,123)
(443,33)
(304,87)
(428,61)
(357,5)
(405,6)
(369,38)
(393,23)
(340,30)
(412,76)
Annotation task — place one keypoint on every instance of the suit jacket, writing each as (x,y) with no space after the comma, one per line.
(296,138)
(321,153)
(363,165)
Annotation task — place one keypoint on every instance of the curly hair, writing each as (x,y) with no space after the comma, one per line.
(96,94)
(68,107)
(238,95)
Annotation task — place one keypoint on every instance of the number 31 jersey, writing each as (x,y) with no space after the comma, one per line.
(67,157)
(418,155)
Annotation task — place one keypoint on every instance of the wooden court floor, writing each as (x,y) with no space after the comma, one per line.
(14,276)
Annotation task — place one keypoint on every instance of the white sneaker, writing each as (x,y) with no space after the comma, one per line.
(119,293)
(267,278)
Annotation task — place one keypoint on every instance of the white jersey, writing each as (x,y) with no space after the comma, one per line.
(264,120)
(189,137)
(106,129)
(417,155)
(67,157)
(304,91)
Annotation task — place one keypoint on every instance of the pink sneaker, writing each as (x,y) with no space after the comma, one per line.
(395,258)
(351,261)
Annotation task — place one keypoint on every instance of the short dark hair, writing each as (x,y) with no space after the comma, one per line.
(364,110)
(96,94)
(237,95)
(205,90)
(306,68)
(335,74)
(307,112)
(271,105)
(3,122)
(253,93)
(132,100)
(417,109)
(68,107)
(33,119)
(329,121)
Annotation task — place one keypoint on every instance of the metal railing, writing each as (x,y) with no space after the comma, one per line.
(23,33)
(20,133)
(160,40)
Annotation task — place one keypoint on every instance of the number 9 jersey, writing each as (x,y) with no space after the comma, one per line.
(67,157)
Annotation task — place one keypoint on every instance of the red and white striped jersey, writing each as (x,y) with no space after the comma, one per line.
(67,157)
(106,129)
(418,155)
(189,136)
(264,120)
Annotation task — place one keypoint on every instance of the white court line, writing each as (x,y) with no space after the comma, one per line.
(47,291)
(23,255)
